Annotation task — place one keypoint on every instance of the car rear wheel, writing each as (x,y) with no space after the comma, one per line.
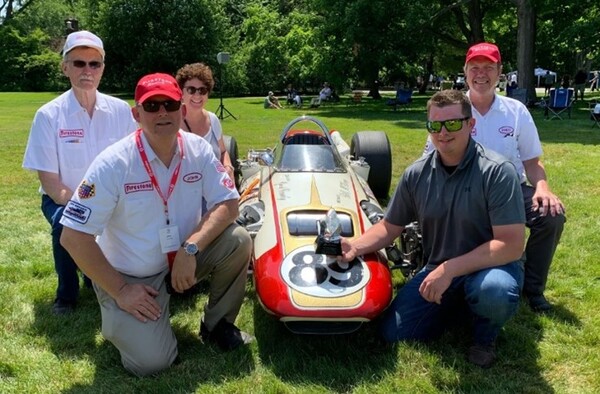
(374,146)
(232,149)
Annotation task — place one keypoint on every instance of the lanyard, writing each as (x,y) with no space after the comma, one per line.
(140,146)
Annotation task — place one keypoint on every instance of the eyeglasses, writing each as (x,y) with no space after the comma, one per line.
(192,90)
(451,125)
(94,64)
(154,106)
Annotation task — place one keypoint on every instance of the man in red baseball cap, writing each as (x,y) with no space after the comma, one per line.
(163,209)
(506,126)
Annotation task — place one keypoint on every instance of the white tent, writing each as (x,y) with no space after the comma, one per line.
(539,73)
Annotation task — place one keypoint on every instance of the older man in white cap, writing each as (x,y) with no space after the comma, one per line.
(66,135)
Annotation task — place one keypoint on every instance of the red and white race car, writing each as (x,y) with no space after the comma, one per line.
(284,193)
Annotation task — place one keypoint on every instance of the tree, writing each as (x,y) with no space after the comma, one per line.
(27,62)
(9,8)
(143,36)
(526,47)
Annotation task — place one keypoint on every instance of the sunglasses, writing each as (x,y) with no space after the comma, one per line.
(451,125)
(154,106)
(94,64)
(192,90)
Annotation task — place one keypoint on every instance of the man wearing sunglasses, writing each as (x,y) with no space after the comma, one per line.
(468,203)
(66,134)
(147,211)
(506,126)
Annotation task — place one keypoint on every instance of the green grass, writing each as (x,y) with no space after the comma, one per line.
(43,353)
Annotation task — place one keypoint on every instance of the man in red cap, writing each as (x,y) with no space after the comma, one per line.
(143,200)
(506,126)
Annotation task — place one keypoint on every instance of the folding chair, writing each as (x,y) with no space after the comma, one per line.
(519,94)
(403,97)
(560,101)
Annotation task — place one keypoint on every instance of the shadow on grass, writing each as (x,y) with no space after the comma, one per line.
(336,362)
(78,337)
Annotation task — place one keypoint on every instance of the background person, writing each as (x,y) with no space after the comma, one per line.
(474,265)
(325,93)
(148,199)
(197,83)
(506,126)
(66,134)
(579,84)
(272,102)
(548,83)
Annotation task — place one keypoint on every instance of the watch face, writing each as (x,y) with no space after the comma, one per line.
(191,249)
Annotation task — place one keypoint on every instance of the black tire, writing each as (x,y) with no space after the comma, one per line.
(232,148)
(374,146)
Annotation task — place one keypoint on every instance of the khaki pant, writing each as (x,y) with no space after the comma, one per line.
(150,347)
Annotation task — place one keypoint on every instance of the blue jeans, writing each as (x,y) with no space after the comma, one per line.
(489,298)
(66,269)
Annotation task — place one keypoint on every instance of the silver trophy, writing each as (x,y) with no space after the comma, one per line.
(329,239)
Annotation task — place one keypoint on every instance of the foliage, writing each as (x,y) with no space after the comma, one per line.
(569,36)
(27,63)
(349,43)
(143,36)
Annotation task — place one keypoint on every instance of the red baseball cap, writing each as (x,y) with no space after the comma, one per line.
(485,49)
(157,85)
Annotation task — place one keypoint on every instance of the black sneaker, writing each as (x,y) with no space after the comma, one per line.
(482,355)
(226,335)
(62,307)
(539,304)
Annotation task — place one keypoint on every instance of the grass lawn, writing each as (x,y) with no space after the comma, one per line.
(555,353)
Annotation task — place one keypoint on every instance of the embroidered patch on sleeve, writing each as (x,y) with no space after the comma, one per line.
(86,190)
(77,212)
(228,183)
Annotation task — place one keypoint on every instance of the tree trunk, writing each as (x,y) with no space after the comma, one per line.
(526,47)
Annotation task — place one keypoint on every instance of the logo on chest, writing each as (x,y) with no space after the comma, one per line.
(70,133)
(506,131)
(138,187)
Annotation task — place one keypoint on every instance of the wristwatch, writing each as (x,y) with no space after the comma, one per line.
(191,249)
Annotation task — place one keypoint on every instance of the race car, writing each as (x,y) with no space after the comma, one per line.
(312,179)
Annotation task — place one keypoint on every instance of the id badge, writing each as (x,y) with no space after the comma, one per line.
(169,239)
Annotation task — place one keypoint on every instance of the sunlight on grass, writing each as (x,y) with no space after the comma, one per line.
(43,353)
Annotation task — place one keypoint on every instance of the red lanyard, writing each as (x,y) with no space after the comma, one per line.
(140,146)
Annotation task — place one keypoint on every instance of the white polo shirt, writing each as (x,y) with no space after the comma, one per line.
(117,201)
(508,129)
(64,139)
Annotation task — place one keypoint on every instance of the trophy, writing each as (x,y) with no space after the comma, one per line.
(328,240)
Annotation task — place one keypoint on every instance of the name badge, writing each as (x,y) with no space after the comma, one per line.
(169,239)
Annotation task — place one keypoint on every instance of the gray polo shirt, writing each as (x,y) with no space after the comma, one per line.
(456,211)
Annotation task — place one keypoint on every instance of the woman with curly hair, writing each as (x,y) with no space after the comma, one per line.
(196,81)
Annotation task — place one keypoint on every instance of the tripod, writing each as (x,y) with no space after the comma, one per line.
(221,107)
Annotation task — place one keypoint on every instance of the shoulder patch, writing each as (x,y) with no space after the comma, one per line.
(228,183)
(77,212)
(86,190)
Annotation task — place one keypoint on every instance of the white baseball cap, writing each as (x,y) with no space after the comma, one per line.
(83,38)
